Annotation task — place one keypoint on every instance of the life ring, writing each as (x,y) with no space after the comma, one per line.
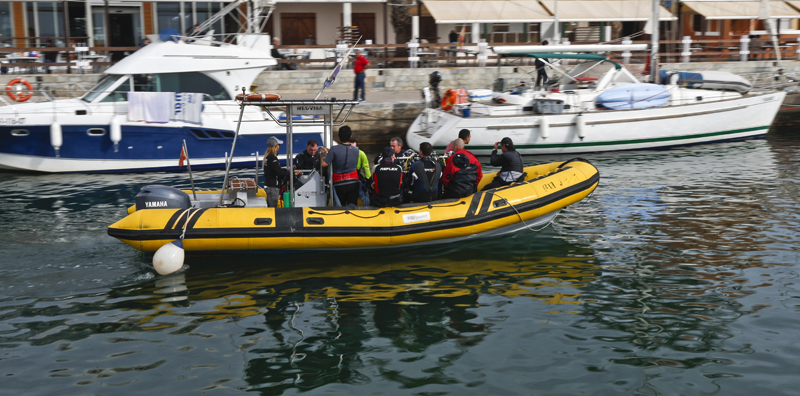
(259,97)
(19,97)
(449,99)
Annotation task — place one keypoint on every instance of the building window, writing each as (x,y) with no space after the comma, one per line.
(6,25)
(168,16)
(204,11)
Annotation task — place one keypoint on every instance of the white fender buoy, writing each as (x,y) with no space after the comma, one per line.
(544,128)
(169,258)
(115,132)
(580,124)
(56,138)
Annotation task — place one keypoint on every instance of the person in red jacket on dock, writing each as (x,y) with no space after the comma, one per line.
(359,67)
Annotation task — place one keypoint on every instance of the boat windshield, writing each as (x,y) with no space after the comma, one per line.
(102,86)
(160,82)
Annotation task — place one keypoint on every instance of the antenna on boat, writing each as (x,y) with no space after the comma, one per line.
(229,159)
(332,77)
(654,43)
(189,167)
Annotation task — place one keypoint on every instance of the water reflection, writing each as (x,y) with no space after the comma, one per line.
(305,321)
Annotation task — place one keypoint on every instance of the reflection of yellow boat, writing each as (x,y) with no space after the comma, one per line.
(546,190)
(404,280)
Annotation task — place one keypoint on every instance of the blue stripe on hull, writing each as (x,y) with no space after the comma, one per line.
(139,143)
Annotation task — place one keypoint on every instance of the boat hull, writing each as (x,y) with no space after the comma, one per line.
(605,130)
(26,143)
(532,203)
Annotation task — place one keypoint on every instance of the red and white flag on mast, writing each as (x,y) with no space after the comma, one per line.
(183,157)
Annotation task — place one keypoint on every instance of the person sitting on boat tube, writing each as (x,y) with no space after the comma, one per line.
(510,162)
(452,169)
(274,175)
(364,174)
(387,184)
(344,159)
(464,135)
(424,176)
(463,179)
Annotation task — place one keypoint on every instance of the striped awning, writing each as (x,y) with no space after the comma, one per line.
(605,10)
(486,11)
(732,9)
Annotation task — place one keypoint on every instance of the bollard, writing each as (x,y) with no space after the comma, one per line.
(413,59)
(482,53)
(626,56)
(744,52)
(687,52)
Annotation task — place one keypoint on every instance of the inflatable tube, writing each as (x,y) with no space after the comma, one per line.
(633,96)
(256,97)
(19,97)
(545,191)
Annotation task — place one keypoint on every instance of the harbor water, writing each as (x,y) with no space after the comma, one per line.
(678,276)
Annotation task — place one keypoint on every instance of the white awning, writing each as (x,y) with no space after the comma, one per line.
(606,11)
(486,11)
(742,9)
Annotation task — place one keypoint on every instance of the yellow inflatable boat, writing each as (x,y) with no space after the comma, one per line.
(243,222)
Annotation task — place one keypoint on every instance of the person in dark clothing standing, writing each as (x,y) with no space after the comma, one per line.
(424,177)
(453,37)
(387,185)
(49,56)
(274,175)
(541,73)
(344,159)
(510,162)
(311,157)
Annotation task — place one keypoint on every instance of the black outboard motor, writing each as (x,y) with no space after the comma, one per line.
(434,79)
(162,197)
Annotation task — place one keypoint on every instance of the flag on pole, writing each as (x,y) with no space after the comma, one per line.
(183,157)
(332,77)
(462,35)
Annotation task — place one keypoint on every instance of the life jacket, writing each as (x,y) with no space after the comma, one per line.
(388,185)
(341,178)
(427,181)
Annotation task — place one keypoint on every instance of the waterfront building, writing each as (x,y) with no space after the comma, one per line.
(126,23)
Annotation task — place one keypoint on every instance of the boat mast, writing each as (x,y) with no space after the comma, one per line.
(654,44)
